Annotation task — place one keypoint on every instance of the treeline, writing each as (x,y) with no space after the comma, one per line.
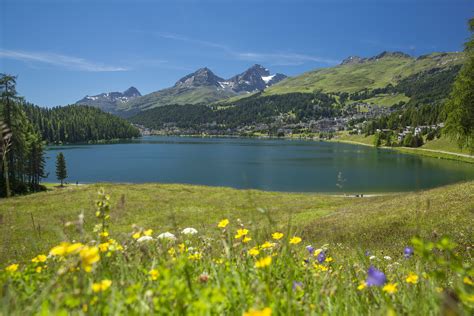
(78,123)
(293,107)
(21,146)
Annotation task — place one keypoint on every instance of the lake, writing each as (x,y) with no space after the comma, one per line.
(267,164)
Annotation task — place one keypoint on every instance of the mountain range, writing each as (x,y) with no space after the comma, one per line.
(201,86)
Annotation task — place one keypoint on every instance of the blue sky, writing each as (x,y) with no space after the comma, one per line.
(62,50)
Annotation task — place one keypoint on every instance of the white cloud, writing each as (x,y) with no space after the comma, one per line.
(68,62)
(287,59)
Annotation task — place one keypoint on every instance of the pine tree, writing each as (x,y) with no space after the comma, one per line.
(61,172)
(460,106)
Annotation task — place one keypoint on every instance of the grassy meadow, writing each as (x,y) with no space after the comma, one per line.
(235,252)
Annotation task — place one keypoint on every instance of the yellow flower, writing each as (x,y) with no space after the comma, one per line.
(266,245)
(89,256)
(171,251)
(195,256)
(148,232)
(328,259)
(320,267)
(253,251)
(267,311)
(136,235)
(412,278)
(295,240)
(154,274)
(223,223)
(467,281)
(74,248)
(182,248)
(241,233)
(277,236)
(246,239)
(362,286)
(104,234)
(12,268)
(59,250)
(264,262)
(39,269)
(390,288)
(39,258)
(101,286)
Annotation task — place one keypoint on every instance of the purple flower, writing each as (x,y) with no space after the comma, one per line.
(297,285)
(367,253)
(408,252)
(375,277)
(321,257)
(310,249)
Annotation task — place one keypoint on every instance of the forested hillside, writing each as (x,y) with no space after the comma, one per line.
(78,123)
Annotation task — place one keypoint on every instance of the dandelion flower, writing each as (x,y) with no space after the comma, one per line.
(362,286)
(136,235)
(104,247)
(101,286)
(267,311)
(241,233)
(189,231)
(154,274)
(266,245)
(295,240)
(148,232)
(412,278)
(39,258)
(264,262)
(12,268)
(89,256)
(390,288)
(253,252)
(223,223)
(277,236)
(246,239)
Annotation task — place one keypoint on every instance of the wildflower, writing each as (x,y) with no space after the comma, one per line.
(182,248)
(253,252)
(12,268)
(154,274)
(297,286)
(328,259)
(390,288)
(171,251)
(241,233)
(196,256)
(264,262)
(59,250)
(408,252)
(104,234)
(166,235)
(39,269)
(277,236)
(144,239)
(320,267)
(189,231)
(104,247)
(310,249)
(367,253)
(39,258)
(362,286)
(467,281)
(148,232)
(295,240)
(89,256)
(388,258)
(101,286)
(412,278)
(223,223)
(375,277)
(267,311)
(321,257)
(266,245)
(246,239)
(372,257)
(136,235)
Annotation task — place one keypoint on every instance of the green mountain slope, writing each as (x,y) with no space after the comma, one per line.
(356,74)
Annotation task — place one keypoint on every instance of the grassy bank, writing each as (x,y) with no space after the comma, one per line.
(254,263)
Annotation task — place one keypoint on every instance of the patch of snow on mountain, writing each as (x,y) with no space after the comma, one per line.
(267,79)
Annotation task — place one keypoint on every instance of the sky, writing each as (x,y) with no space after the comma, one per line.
(62,50)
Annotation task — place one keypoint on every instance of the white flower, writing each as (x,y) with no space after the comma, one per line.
(166,235)
(144,239)
(189,231)
(387,258)
(372,257)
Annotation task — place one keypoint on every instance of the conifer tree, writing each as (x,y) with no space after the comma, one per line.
(61,172)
